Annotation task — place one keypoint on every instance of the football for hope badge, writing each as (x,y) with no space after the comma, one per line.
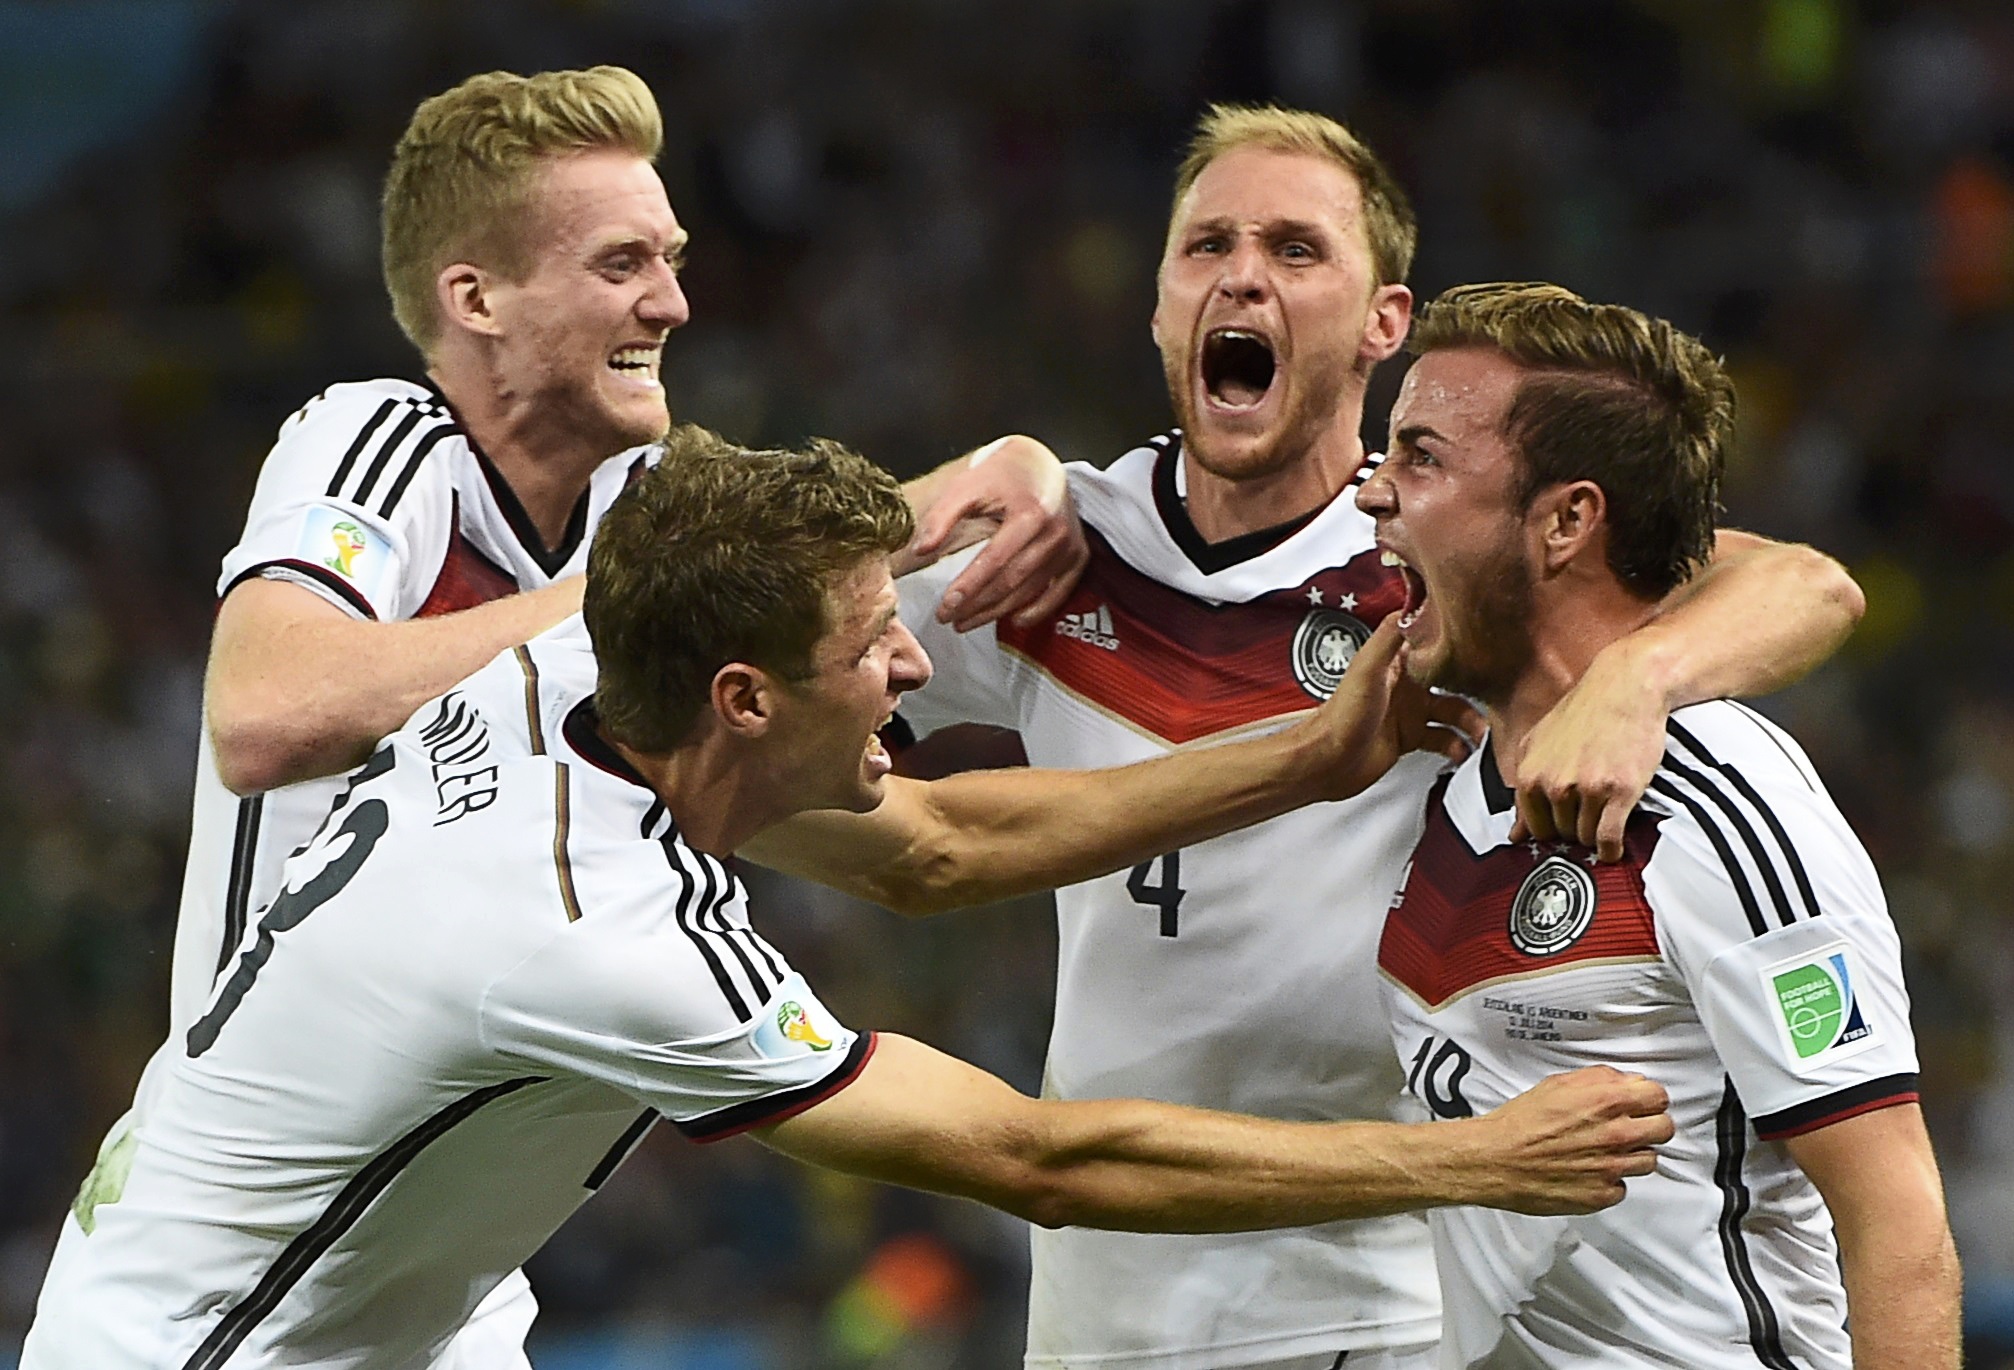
(1554,907)
(1817,1013)
(1324,645)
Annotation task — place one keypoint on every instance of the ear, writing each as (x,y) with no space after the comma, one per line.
(1386,326)
(467,297)
(1572,524)
(743,699)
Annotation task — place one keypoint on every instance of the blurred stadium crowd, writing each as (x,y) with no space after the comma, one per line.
(917,224)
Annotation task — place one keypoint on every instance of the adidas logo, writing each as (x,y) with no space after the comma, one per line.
(1093,626)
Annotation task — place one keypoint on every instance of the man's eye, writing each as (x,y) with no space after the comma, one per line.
(1207,246)
(1297,252)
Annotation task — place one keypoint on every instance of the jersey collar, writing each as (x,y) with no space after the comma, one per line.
(1498,796)
(1212,557)
(550,561)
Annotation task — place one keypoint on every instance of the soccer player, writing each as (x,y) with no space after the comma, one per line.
(1231,581)
(1552,476)
(405,531)
(515,942)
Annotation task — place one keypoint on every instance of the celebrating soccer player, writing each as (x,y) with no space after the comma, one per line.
(1552,475)
(515,942)
(1231,582)
(405,530)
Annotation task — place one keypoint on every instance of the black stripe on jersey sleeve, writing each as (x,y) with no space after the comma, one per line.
(688,904)
(321,575)
(1765,1332)
(339,1217)
(774,1108)
(425,445)
(238,889)
(1748,792)
(1785,914)
(363,436)
(718,891)
(382,457)
(619,1152)
(1837,1107)
(1661,785)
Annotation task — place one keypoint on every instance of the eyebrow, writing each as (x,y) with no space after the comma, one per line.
(1411,434)
(881,623)
(1275,228)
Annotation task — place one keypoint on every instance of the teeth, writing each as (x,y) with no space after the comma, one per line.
(1390,558)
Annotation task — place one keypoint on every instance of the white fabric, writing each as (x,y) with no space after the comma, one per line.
(486,965)
(1724,1257)
(1265,1001)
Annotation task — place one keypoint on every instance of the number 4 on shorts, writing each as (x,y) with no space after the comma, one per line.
(1166,896)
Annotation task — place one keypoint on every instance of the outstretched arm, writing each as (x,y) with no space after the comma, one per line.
(986,835)
(1760,616)
(1880,1180)
(920,1118)
(297,688)
(1013,493)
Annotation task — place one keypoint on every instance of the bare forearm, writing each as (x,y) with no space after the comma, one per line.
(292,695)
(1902,1294)
(1761,616)
(987,835)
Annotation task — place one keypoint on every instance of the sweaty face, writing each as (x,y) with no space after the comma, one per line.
(1444,502)
(1265,292)
(862,666)
(582,335)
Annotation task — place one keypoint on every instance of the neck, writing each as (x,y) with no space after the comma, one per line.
(1223,507)
(1565,639)
(546,464)
(717,800)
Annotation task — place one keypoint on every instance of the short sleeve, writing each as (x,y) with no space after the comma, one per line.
(674,1001)
(1771,910)
(348,503)
(969,678)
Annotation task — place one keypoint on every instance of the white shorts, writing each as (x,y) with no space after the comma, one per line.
(1425,1356)
(493,1337)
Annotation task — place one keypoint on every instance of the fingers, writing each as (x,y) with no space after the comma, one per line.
(1534,817)
(1059,590)
(1608,833)
(1019,566)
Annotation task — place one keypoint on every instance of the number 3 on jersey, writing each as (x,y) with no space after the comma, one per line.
(1165,896)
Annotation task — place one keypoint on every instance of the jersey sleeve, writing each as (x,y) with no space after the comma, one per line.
(1771,910)
(348,506)
(969,679)
(674,1001)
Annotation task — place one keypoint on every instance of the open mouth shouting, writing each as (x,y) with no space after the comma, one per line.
(1239,366)
(1416,589)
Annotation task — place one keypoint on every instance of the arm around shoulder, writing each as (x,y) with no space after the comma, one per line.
(296,688)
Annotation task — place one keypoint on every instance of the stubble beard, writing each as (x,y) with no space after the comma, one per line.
(1490,647)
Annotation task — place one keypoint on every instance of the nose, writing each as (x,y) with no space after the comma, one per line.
(664,305)
(1377,496)
(909,665)
(1244,277)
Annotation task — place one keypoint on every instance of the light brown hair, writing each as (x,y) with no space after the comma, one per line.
(1388,215)
(468,162)
(720,554)
(1616,397)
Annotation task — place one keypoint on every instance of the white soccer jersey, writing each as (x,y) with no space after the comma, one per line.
(1235,974)
(494,965)
(1740,955)
(374,498)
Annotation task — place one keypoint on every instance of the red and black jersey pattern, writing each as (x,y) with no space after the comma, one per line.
(1451,928)
(467,578)
(1182,668)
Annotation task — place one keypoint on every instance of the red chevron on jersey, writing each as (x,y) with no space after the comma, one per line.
(467,578)
(1182,668)
(1462,921)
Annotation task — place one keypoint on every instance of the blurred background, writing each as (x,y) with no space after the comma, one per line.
(918,224)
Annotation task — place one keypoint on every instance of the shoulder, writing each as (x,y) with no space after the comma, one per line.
(1746,816)
(362,443)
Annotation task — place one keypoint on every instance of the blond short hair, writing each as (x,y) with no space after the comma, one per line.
(1613,396)
(1388,215)
(466,165)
